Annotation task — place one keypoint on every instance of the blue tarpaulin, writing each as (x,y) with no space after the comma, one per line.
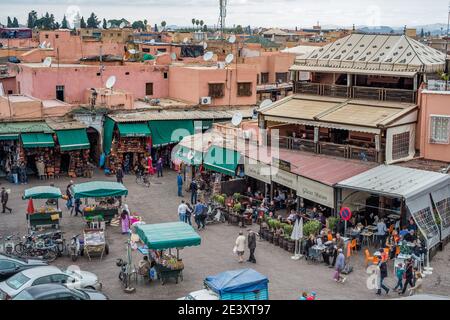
(237,281)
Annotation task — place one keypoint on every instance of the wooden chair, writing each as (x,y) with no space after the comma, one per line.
(386,253)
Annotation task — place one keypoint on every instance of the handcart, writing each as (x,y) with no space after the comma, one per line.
(47,215)
(95,243)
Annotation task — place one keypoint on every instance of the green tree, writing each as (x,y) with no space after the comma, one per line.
(197,22)
(422,33)
(105,24)
(92,21)
(9,23)
(83,23)
(201,24)
(64,23)
(138,25)
(32,18)
(57,25)
(193,23)
(163,25)
(205,28)
(15,23)
(239,29)
(52,22)
(156,28)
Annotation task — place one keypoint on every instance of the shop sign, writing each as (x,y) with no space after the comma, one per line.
(281,164)
(284,178)
(315,191)
(258,170)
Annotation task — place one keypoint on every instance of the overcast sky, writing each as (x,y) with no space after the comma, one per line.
(266,13)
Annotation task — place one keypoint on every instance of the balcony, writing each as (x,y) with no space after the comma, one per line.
(356,92)
(346,151)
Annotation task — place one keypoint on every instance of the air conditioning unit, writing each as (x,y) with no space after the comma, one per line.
(205,100)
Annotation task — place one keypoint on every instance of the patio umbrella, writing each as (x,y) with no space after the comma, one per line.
(30,208)
(297,234)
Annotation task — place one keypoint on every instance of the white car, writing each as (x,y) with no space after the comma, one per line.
(204,294)
(42,275)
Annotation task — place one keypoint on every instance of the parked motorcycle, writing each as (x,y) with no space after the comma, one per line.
(75,247)
(214,214)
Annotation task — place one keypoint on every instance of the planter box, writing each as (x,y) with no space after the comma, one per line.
(281,242)
(276,240)
(290,246)
(270,237)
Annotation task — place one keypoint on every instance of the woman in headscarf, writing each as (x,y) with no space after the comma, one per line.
(125,219)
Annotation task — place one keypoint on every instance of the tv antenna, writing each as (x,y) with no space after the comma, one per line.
(222,16)
(47,62)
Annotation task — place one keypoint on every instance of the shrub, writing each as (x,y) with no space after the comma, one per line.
(311,227)
(237,196)
(237,207)
(332,223)
(288,230)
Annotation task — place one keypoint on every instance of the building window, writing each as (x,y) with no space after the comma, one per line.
(281,77)
(162,50)
(147,50)
(149,89)
(440,129)
(166,75)
(127,73)
(264,77)
(400,145)
(216,90)
(244,89)
(57,36)
(46,36)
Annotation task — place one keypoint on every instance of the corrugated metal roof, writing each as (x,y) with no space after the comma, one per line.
(396,181)
(179,115)
(407,74)
(377,52)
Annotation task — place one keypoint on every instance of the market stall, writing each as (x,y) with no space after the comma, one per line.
(46,215)
(159,239)
(105,193)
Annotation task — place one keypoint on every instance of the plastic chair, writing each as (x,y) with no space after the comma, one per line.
(370,258)
(330,236)
(353,245)
(386,252)
(397,250)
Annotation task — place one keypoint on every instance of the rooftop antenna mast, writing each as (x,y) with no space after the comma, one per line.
(223,14)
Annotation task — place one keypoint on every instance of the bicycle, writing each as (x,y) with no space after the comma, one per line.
(143,179)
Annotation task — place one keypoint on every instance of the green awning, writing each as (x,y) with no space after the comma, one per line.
(108,130)
(12,136)
(222,160)
(168,235)
(166,132)
(37,140)
(187,155)
(99,189)
(43,192)
(74,139)
(200,125)
(137,129)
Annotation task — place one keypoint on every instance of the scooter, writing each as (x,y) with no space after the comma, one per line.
(214,214)
(76,247)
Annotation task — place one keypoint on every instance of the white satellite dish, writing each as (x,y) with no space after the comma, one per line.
(43,44)
(265,104)
(49,45)
(110,82)
(47,62)
(132,51)
(221,65)
(185,40)
(173,56)
(229,58)
(122,25)
(109,25)
(237,119)
(208,56)
(232,39)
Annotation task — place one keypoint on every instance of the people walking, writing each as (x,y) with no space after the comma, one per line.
(194,189)
(159,167)
(399,274)
(383,275)
(187,216)
(417,288)
(182,208)
(251,242)
(69,194)
(76,208)
(125,221)
(23,173)
(119,174)
(381,233)
(340,264)
(239,247)
(409,276)
(5,198)
(198,215)
(180,184)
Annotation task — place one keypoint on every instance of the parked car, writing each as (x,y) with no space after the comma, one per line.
(203,294)
(44,275)
(10,265)
(58,292)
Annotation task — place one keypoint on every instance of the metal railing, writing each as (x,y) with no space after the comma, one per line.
(346,151)
(356,92)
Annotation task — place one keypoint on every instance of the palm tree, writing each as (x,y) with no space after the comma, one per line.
(193,23)
(197,22)
(201,24)
(163,25)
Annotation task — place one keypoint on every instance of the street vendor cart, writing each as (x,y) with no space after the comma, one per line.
(95,243)
(49,214)
(101,191)
(159,239)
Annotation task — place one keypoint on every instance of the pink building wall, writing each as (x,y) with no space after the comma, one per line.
(9,84)
(272,63)
(190,83)
(20,43)
(41,82)
(432,103)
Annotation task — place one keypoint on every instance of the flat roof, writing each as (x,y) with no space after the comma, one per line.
(396,181)
(20,98)
(56,65)
(64,124)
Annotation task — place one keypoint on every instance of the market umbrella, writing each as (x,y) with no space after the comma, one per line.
(30,208)
(297,234)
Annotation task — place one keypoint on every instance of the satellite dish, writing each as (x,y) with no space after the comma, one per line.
(49,45)
(208,56)
(232,39)
(265,104)
(221,65)
(47,62)
(110,82)
(173,56)
(132,51)
(185,40)
(109,25)
(44,43)
(237,119)
(122,25)
(152,41)
(229,58)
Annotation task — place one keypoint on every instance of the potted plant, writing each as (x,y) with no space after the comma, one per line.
(332,223)
(311,227)
(270,222)
(276,235)
(289,243)
(237,207)
(237,197)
